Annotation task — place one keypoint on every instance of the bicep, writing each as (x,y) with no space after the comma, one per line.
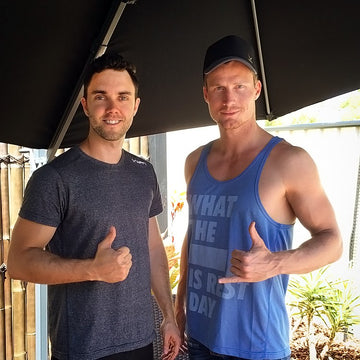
(28,234)
(28,239)
(306,195)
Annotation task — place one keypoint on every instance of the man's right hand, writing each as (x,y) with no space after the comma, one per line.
(111,265)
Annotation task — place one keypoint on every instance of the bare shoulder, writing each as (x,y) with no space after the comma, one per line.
(191,161)
(285,150)
(293,162)
(290,184)
(301,183)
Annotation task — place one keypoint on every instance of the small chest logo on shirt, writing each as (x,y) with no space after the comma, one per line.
(139,162)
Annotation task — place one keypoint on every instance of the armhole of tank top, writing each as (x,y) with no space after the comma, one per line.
(265,153)
(267,150)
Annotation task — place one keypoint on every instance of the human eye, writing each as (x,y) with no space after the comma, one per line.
(239,86)
(99,97)
(124,96)
(219,88)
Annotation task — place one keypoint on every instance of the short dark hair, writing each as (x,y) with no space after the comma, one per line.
(113,61)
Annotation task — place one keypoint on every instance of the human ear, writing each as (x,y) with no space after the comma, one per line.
(136,106)
(258,87)
(84,106)
(205,93)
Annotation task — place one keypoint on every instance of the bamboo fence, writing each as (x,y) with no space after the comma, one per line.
(17,298)
(17,306)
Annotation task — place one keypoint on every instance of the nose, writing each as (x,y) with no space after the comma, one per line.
(228,97)
(112,106)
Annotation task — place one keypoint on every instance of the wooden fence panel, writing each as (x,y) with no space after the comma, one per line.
(17,299)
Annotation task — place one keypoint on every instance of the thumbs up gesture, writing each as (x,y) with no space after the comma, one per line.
(111,265)
(254,265)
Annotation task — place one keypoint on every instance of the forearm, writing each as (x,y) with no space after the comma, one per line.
(181,293)
(28,261)
(40,266)
(259,263)
(322,249)
(181,289)
(160,282)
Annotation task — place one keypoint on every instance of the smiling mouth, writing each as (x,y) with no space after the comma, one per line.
(227,113)
(112,122)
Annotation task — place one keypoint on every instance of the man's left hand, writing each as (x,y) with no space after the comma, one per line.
(254,265)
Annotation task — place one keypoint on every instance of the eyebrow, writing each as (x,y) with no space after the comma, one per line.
(94,92)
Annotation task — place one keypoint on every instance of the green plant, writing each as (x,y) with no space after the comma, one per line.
(309,293)
(339,309)
(332,301)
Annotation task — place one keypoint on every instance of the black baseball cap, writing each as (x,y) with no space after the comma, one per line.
(229,48)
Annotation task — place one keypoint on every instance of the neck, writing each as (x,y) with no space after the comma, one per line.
(105,151)
(241,139)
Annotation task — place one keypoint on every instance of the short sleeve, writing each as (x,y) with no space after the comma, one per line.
(156,206)
(44,198)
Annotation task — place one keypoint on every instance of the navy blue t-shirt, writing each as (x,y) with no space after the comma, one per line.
(82,197)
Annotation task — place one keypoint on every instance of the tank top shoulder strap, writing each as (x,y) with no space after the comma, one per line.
(270,145)
(264,153)
(206,149)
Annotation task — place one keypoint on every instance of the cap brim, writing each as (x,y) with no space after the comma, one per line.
(216,64)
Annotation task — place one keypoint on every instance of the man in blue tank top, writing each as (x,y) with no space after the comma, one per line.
(88,228)
(245,191)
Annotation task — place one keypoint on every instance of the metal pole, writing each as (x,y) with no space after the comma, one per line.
(261,62)
(74,103)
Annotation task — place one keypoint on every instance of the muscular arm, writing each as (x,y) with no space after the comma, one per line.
(29,261)
(308,202)
(160,285)
(311,206)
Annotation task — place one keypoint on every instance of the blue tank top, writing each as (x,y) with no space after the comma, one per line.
(247,320)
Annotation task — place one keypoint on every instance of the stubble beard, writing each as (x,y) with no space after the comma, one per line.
(108,135)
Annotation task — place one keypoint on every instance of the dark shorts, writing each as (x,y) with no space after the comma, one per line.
(198,351)
(145,353)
